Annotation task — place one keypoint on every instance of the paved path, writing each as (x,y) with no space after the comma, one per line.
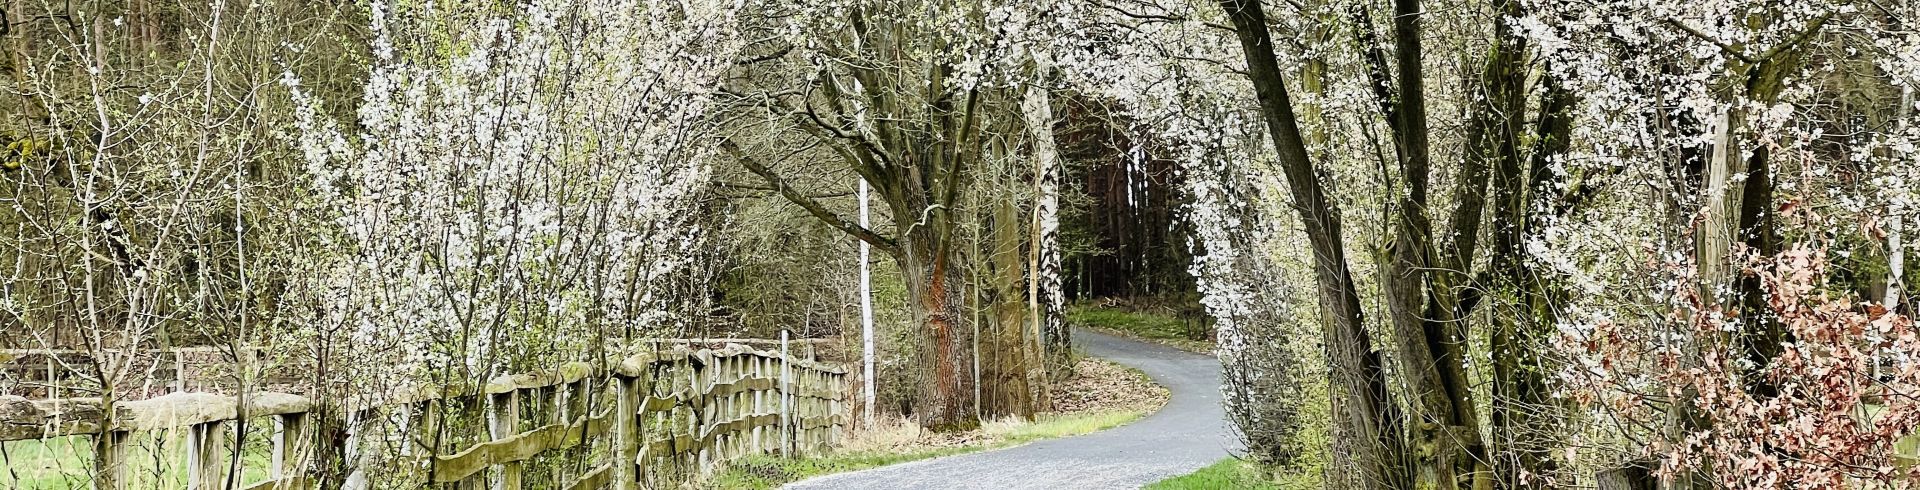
(1189,433)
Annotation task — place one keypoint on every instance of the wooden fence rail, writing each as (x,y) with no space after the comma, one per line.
(648,421)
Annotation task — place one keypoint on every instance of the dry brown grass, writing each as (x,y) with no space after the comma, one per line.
(1101,385)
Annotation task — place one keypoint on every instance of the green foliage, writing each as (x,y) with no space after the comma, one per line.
(19,151)
(1228,473)
(1143,323)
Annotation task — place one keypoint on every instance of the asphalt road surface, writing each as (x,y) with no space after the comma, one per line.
(1191,432)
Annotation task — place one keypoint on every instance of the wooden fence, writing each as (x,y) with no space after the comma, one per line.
(647,421)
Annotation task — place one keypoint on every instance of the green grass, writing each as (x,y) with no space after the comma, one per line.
(1228,473)
(763,472)
(155,461)
(1147,325)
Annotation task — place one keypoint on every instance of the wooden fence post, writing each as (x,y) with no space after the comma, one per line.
(833,407)
(503,418)
(702,413)
(813,409)
(431,411)
(759,402)
(560,411)
(803,401)
(205,444)
(736,402)
(559,406)
(289,443)
(179,372)
(406,426)
(626,431)
(356,475)
(722,441)
(786,398)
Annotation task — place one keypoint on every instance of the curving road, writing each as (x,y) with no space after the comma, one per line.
(1191,432)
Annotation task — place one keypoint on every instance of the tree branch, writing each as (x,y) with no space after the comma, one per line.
(775,54)
(808,203)
(1812,27)
(750,187)
(1724,47)
(1376,61)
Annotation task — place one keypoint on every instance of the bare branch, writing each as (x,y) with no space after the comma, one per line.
(808,203)
(1724,47)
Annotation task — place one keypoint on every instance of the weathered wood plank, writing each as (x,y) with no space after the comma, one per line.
(595,479)
(821,421)
(512,448)
(23,419)
(206,446)
(565,373)
(289,483)
(742,423)
(740,385)
(517,447)
(187,409)
(503,420)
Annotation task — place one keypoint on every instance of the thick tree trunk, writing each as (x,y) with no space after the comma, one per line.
(1445,429)
(1451,278)
(935,294)
(1422,283)
(1010,365)
(1764,334)
(1522,416)
(1739,208)
(1714,242)
(1368,422)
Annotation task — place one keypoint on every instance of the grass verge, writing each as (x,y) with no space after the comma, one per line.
(1228,473)
(155,459)
(762,472)
(1101,395)
(1147,325)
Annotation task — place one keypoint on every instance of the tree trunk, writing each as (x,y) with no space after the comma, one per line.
(1010,367)
(1368,422)
(935,293)
(1444,428)
(1896,245)
(1044,295)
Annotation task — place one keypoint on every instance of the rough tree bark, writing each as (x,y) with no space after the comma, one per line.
(1423,277)
(1368,421)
